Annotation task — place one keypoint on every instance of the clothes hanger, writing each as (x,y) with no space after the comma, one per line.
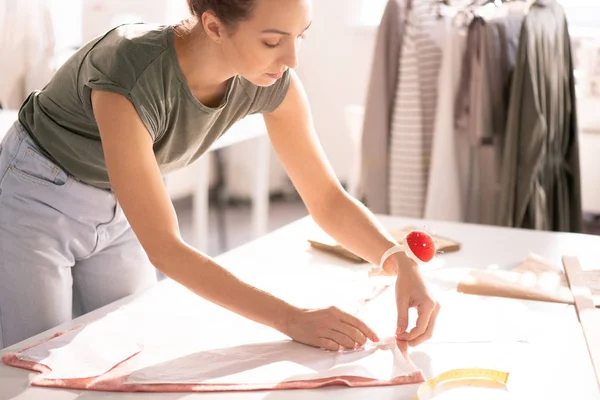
(440,5)
(530,3)
(497,3)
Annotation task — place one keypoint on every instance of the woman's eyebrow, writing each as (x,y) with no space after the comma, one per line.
(283,32)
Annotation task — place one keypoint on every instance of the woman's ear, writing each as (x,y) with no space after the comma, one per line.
(213,26)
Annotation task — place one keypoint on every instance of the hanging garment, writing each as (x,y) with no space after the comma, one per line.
(540,176)
(482,103)
(27,46)
(378,108)
(446,188)
(414,111)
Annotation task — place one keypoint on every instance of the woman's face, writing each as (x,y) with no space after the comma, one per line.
(264,46)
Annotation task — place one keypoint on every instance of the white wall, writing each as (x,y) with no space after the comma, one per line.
(100,15)
(335,61)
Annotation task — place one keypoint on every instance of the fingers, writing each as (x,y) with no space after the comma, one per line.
(333,328)
(341,340)
(350,331)
(402,304)
(363,329)
(327,344)
(430,327)
(425,311)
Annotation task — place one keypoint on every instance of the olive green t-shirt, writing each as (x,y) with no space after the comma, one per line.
(139,62)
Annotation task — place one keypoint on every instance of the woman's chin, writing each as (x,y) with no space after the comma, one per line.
(264,80)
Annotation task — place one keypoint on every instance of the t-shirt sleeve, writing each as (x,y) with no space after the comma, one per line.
(267,99)
(112,72)
(134,95)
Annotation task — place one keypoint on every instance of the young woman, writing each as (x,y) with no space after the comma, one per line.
(83,209)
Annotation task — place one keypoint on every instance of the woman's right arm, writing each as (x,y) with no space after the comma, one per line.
(139,188)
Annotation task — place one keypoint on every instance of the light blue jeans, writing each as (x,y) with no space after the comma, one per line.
(60,240)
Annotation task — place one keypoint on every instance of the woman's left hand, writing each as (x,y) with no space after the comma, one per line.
(411,292)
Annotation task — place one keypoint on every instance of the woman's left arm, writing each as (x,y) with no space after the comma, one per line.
(344,218)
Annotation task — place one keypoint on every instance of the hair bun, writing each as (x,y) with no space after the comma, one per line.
(228,11)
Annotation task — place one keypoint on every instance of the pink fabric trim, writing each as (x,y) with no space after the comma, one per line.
(116,380)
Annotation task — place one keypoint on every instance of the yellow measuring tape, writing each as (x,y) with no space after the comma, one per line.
(429,388)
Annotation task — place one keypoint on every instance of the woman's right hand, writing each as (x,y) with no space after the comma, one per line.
(329,328)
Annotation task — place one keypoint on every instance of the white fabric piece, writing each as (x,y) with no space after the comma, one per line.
(85,352)
(234,350)
(165,324)
(265,363)
(447,186)
(27,48)
(252,353)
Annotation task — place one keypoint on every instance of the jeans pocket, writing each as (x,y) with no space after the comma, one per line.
(31,165)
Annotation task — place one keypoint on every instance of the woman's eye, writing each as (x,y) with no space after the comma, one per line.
(274,45)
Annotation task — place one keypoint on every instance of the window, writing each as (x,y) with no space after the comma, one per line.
(66,21)
(582,13)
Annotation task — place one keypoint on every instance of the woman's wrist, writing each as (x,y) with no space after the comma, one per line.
(283,316)
(399,262)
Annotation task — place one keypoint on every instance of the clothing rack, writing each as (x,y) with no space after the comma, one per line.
(522,152)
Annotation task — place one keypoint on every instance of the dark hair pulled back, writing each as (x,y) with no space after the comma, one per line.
(229,12)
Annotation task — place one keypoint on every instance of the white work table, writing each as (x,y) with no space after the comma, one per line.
(554,364)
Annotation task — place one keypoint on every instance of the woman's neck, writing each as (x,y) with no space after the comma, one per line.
(202,63)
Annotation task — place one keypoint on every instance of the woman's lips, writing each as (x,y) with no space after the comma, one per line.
(276,76)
